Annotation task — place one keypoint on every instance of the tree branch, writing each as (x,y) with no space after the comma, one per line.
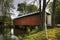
(47,2)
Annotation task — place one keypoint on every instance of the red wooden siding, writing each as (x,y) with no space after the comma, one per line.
(28,20)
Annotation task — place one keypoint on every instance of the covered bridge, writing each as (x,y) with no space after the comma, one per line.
(27,19)
(31,19)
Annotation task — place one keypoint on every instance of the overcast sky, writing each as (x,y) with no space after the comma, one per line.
(15,2)
(21,1)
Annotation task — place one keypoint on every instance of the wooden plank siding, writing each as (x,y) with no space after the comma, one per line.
(31,20)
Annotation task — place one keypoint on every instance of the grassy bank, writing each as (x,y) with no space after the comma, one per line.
(53,34)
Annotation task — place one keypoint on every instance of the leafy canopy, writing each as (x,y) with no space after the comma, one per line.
(24,8)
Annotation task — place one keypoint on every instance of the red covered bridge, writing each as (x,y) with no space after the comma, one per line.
(28,19)
(31,19)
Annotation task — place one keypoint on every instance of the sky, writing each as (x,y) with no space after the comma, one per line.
(15,3)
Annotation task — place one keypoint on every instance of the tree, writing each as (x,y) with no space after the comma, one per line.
(57,11)
(5,8)
(24,8)
(32,8)
(6,18)
(21,7)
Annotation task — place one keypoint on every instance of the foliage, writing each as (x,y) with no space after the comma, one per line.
(21,7)
(5,19)
(57,10)
(6,5)
(24,8)
(52,35)
(32,8)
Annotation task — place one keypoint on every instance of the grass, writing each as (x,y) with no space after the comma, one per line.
(53,34)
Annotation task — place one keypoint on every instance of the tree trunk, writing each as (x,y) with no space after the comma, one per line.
(41,22)
(53,13)
(43,13)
